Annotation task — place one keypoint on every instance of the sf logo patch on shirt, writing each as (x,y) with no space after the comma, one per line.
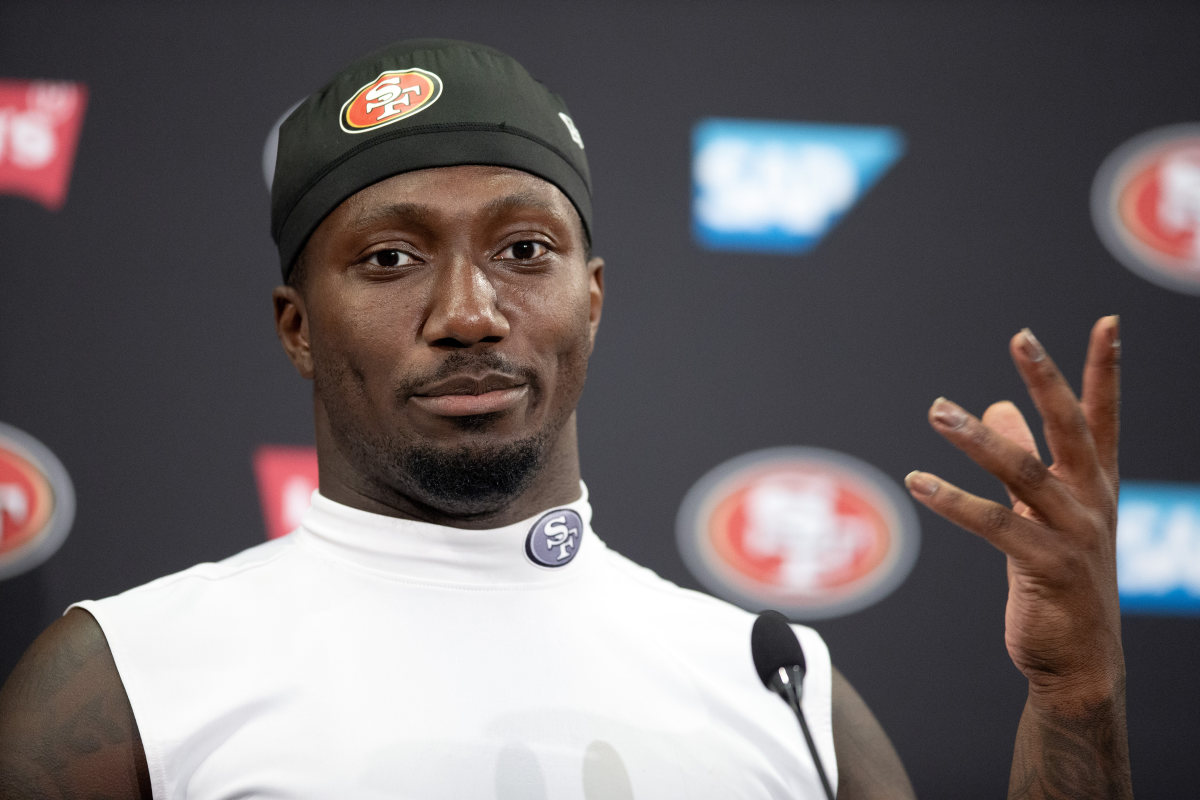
(554,539)
(391,97)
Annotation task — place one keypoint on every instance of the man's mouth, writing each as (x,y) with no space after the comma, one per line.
(469,395)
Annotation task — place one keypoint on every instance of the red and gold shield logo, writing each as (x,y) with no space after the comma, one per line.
(811,532)
(393,96)
(37,502)
(1146,206)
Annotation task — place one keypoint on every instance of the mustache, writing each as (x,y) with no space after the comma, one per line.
(460,362)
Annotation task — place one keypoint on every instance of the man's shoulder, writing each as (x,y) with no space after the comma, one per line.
(65,720)
(694,616)
(154,617)
(645,586)
(250,564)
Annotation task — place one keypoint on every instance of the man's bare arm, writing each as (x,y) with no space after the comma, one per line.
(66,727)
(1063,619)
(1081,754)
(868,766)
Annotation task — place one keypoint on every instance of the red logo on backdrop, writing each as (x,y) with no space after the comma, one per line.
(287,477)
(39,128)
(1146,206)
(37,502)
(811,532)
(391,97)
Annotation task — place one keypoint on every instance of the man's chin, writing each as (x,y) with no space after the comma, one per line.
(469,480)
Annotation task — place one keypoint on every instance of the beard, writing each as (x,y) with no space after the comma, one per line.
(464,480)
(469,481)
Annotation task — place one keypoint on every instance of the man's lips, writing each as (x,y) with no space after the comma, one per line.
(467,395)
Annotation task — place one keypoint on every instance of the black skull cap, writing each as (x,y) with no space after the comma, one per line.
(413,105)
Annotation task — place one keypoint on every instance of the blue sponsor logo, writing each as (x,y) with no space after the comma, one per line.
(781,186)
(1158,548)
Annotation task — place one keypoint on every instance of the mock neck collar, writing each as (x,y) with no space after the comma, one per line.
(422,552)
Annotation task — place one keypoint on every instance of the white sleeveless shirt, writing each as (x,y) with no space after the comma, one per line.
(366,657)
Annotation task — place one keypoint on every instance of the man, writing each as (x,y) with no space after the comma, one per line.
(445,623)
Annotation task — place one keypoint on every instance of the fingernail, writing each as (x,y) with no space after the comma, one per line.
(920,483)
(948,414)
(1031,346)
(1116,332)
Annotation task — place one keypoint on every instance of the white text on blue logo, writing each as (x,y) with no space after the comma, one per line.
(781,186)
(1158,548)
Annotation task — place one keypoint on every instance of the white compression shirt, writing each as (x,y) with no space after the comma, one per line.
(370,657)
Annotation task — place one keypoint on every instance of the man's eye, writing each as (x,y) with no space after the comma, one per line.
(390,258)
(524,251)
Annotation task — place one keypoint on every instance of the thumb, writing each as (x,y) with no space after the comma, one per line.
(1007,420)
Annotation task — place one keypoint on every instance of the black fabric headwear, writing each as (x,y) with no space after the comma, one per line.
(445,103)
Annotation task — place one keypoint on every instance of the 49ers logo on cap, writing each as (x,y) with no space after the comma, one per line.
(391,97)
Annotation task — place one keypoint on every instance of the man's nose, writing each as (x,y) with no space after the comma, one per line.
(464,309)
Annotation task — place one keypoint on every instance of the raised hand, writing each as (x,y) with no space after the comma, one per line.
(1062,621)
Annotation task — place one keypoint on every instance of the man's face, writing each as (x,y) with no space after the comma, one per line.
(446,317)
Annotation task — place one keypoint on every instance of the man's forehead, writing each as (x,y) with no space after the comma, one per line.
(428,193)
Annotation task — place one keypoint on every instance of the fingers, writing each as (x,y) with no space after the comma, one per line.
(1064,424)
(1081,435)
(1101,401)
(1015,463)
(1009,532)
(1008,421)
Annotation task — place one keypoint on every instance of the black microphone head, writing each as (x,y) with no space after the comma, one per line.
(773,644)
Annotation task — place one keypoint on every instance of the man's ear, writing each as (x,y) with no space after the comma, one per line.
(291,325)
(596,294)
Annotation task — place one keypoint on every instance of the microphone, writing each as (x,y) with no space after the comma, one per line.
(779,660)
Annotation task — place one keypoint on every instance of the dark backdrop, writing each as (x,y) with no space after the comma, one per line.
(136,337)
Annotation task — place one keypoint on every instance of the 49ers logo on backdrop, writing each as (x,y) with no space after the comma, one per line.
(1146,206)
(810,532)
(391,97)
(37,502)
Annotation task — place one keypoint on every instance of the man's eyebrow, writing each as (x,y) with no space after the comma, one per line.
(404,213)
(560,213)
(420,215)
(519,201)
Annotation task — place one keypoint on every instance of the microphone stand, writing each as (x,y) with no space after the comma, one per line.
(788,683)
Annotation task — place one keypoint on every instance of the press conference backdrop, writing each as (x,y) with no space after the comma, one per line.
(816,217)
